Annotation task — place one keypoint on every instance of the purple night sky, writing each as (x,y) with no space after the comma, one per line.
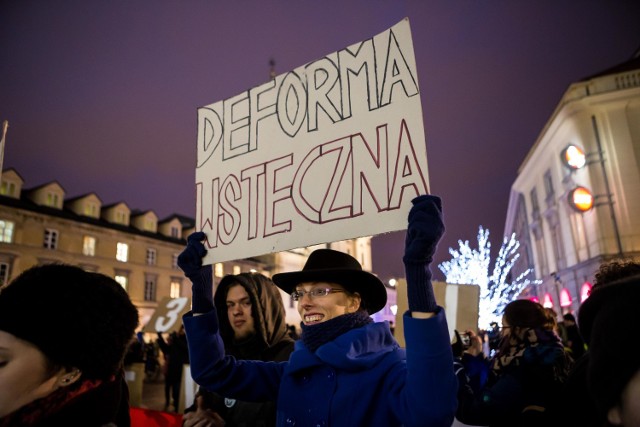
(102,96)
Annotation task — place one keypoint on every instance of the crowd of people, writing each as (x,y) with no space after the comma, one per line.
(62,355)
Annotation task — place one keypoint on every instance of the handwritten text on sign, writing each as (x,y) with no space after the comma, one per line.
(329,151)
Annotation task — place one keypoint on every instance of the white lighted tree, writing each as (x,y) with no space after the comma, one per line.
(470,266)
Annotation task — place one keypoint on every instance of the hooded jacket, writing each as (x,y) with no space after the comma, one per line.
(270,343)
(361,378)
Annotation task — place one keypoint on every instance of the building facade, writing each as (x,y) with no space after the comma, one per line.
(569,218)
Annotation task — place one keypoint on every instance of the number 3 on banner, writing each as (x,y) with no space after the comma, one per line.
(174,308)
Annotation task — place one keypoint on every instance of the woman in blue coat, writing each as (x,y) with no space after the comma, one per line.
(345,370)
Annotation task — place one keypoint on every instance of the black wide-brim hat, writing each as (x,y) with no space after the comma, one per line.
(328,265)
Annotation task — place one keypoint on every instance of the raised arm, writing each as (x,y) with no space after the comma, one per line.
(423,234)
(190,261)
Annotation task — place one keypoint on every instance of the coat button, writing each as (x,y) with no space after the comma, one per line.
(291,422)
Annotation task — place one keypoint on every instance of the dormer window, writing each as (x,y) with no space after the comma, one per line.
(121,217)
(8,189)
(53,200)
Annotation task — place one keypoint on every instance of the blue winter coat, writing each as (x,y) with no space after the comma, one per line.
(362,378)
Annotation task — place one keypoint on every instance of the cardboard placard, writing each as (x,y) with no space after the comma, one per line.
(332,150)
(168,315)
(460,302)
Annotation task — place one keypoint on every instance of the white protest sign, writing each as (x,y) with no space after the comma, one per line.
(334,149)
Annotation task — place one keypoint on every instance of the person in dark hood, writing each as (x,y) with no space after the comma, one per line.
(253,329)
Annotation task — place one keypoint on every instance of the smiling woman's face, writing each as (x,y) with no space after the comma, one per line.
(315,310)
(23,374)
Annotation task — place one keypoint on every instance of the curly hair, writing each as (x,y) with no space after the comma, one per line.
(615,270)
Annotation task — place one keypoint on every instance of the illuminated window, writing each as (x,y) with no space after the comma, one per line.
(6,231)
(176,287)
(90,209)
(122,252)
(236,269)
(585,291)
(565,298)
(8,188)
(52,200)
(123,280)
(548,301)
(218,270)
(89,246)
(151,256)
(50,238)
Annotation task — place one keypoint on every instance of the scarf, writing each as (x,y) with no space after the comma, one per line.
(533,346)
(40,409)
(319,334)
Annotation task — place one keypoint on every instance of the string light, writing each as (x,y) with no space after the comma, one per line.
(471,267)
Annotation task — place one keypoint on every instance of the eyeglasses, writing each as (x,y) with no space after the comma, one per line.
(314,293)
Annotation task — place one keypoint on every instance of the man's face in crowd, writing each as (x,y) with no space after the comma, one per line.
(239,312)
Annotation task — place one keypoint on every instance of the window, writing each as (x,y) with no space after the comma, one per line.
(151,256)
(4,273)
(123,280)
(122,252)
(150,287)
(121,217)
(549,190)
(174,261)
(535,207)
(52,200)
(89,246)
(218,270)
(50,238)
(8,188)
(236,269)
(176,287)
(175,232)
(149,225)
(90,209)
(6,231)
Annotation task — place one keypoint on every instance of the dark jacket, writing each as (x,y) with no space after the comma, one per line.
(177,353)
(361,378)
(516,395)
(270,343)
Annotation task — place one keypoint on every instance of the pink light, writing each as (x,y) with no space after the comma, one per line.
(534,299)
(585,291)
(565,298)
(548,301)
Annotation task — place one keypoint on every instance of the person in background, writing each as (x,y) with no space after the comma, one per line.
(574,342)
(254,328)
(346,370)
(63,336)
(609,318)
(176,353)
(525,375)
(577,406)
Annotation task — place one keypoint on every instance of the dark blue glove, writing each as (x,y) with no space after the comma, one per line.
(190,261)
(423,234)
(425,229)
